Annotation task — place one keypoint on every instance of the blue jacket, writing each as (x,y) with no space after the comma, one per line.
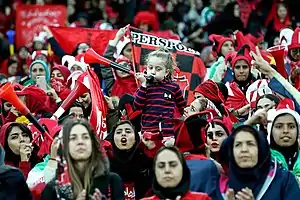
(204,176)
(283,187)
(277,86)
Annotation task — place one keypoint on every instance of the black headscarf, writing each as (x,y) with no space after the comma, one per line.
(253,178)
(290,153)
(182,188)
(125,162)
(123,156)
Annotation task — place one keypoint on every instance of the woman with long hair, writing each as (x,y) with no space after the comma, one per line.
(16,140)
(86,167)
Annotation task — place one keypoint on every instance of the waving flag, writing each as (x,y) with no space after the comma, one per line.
(192,68)
(69,37)
(99,109)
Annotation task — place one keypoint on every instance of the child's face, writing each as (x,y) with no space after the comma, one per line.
(156,68)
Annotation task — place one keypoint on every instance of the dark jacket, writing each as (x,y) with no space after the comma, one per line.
(11,177)
(133,166)
(109,185)
(204,176)
(106,72)
(283,187)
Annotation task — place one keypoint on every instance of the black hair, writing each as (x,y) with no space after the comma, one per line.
(13,158)
(271,97)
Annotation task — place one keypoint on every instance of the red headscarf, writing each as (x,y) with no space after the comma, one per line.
(218,41)
(210,90)
(5,64)
(278,25)
(148,18)
(124,85)
(61,86)
(190,137)
(37,100)
(63,70)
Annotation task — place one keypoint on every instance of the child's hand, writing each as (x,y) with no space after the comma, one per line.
(140,76)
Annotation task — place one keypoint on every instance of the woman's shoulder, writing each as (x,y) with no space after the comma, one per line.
(9,172)
(114,176)
(285,177)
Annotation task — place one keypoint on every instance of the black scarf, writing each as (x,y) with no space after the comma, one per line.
(180,190)
(243,85)
(252,178)
(125,162)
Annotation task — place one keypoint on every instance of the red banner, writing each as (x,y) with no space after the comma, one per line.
(30,20)
(69,38)
(99,109)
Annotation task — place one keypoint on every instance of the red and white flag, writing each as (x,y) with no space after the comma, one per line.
(99,107)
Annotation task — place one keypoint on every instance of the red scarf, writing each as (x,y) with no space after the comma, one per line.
(278,25)
(60,88)
(238,100)
(124,85)
(210,90)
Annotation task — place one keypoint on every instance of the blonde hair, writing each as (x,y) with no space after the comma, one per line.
(170,63)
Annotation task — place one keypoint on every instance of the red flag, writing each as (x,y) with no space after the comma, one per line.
(69,38)
(99,108)
(30,20)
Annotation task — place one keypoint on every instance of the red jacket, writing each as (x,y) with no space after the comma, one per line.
(24,166)
(189,196)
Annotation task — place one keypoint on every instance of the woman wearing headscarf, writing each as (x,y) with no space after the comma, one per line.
(222,46)
(283,134)
(277,20)
(84,170)
(120,45)
(16,140)
(172,177)
(252,174)
(243,78)
(191,143)
(37,68)
(59,81)
(215,94)
(216,131)
(124,83)
(131,159)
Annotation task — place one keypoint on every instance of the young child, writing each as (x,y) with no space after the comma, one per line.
(158,99)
